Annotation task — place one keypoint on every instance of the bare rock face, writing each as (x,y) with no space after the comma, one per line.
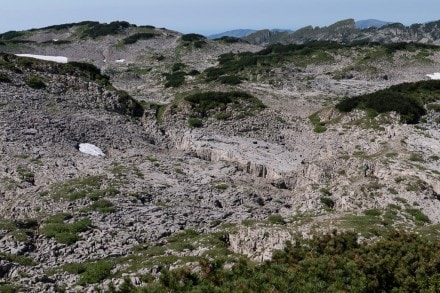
(256,157)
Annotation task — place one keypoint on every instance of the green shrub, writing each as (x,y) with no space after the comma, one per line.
(192,37)
(222,116)
(195,122)
(373,212)
(232,64)
(9,288)
(11,35)
(66,233)
(325,191)
(435,107)
(194,72)
(199,44)
(228,40)
(418,215)
(96,272)
(95,29)
(407,99)
(128,105)
(327,202)
(19,259)
(103,206)
(4,78)
(230,79)
(177,66)
(398,262)
(203,102)
(319,127)
(222,186)
(276,219)
(136,37)
(175,79)
(35,82)
(416,157)
(90,272)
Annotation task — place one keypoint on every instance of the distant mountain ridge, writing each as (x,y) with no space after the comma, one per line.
(367,23)
(348,31)
(241,33)
(237,33)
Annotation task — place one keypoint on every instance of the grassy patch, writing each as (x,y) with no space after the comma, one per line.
(319,127)
(276,219)
(89,186)
(102,206)
(66,233)
(418,215)
(18,259)
(90,272)
(35,82)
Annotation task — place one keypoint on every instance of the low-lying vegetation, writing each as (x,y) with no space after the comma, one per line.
(90,272)
(233,64)
(407,99)
(136,37)
(92,187)
(66,233)
(206,104)
(333,263)
(35,82)
(95,30)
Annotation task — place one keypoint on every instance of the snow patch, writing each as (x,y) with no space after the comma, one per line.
(58,59)
(91,149)
(120,61)
(435,75)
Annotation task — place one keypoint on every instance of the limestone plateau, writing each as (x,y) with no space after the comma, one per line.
(152,150)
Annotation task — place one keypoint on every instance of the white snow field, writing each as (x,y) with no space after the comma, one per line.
(58,59)
(91,149)
(435,75)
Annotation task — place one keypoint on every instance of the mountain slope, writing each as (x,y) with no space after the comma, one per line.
(224,150)
(237,33)
(346,31)
(367,23)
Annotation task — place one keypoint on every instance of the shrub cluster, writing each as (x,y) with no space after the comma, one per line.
(95,30)
(228,40)
(4,78)
(232,64)
(128,105)
(59,27)
(90,272)
(175,79)
(203,102)
(407,99)
(198,41)
(66,233)
(193,37)
(332,263)
(136,37)
(35,82)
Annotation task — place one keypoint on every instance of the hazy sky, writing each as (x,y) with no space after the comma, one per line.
(213,16)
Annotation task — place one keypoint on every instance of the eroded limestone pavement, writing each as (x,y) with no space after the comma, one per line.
(162,177)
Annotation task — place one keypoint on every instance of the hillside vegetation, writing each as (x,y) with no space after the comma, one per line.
(407,99)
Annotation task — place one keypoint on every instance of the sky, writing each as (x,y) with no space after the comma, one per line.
(213,16)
